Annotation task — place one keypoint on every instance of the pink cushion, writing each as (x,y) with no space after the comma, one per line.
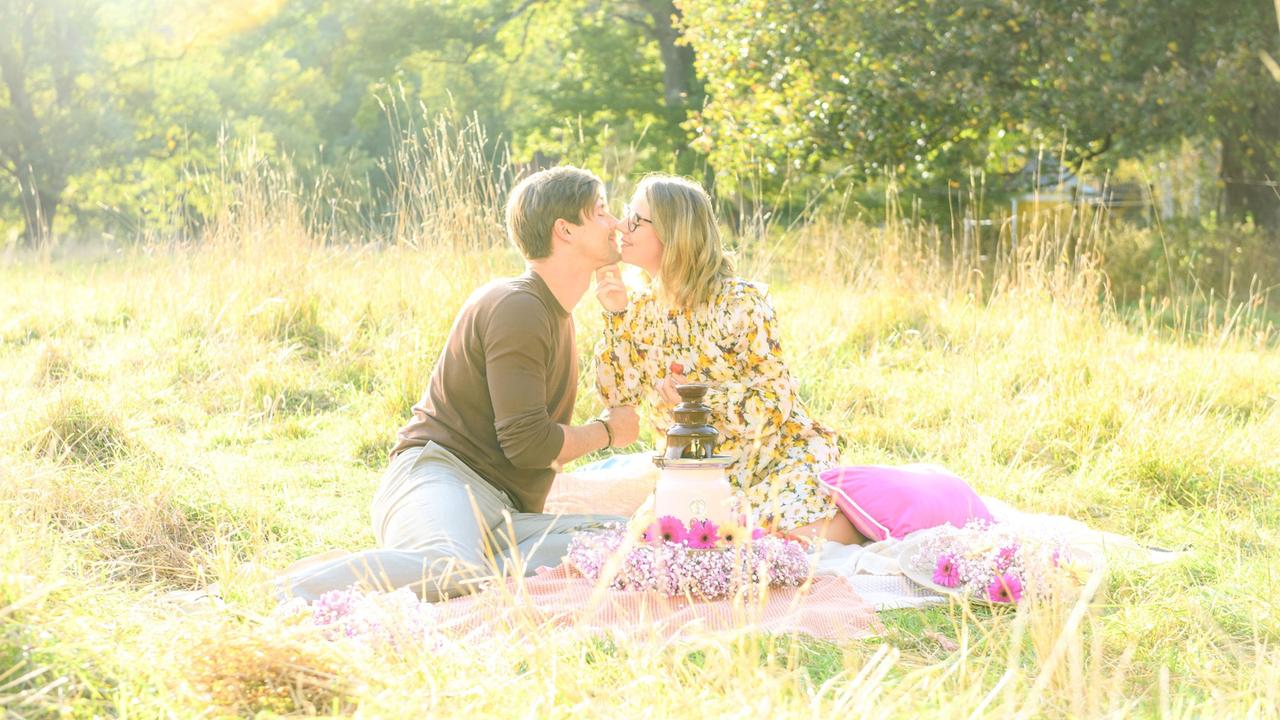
(885,501)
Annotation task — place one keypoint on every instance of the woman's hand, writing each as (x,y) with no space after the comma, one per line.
(667,388)
(610,290)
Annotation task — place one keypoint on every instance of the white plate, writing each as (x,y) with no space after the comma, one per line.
(923,575)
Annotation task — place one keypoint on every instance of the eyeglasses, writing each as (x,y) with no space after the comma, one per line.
(633,218)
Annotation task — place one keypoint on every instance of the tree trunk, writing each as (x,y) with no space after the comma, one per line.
(1250,169)
(1250,190)
(680,85)
(682,90)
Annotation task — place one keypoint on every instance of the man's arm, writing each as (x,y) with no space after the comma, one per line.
(515,369)
(582,439)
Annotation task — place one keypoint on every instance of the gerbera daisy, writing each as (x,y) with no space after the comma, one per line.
(702,535)
(670,529)
(651,534)
(1005,558)
(1005,588)
(732,533)
(946,574)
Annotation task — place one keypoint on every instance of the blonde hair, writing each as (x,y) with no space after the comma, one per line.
(694,262)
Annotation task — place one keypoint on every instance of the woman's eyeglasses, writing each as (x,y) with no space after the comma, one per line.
(632,218)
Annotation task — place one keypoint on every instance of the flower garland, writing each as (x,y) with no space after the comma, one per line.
(702,560)
(995,562)
(396,619)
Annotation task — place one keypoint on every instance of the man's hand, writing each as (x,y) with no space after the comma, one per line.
(610,290)
(624,423)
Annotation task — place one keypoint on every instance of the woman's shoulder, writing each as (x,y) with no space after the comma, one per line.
(738,291)
(741,303)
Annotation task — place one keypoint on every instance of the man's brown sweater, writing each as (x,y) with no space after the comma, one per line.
(504,384)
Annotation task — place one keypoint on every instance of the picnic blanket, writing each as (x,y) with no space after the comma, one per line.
(826,608)
(850,582)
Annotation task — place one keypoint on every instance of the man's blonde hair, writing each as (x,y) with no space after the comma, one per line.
(694,262)
(536,202)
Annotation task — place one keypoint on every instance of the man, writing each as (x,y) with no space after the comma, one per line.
(463,496)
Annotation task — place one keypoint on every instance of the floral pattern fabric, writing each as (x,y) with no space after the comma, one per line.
(730,343)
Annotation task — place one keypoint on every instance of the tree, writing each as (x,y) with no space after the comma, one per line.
(927,88)
(527,67)
(120,110)
(52,108)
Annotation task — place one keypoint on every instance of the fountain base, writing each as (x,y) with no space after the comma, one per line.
(698,489)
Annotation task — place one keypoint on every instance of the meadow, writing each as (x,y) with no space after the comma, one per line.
(174,414)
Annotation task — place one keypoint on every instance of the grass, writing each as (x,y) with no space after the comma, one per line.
(187,415)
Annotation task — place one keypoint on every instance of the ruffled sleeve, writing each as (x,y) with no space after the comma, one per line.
(620,355)
(761,397)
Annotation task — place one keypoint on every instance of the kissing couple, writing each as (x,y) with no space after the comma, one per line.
(462,497)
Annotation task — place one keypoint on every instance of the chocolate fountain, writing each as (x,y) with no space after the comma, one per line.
(692,484)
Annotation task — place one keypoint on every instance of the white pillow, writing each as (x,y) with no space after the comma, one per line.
(617,485)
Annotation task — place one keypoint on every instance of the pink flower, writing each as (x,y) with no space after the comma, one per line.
(670,529)
(1006,588)
(702,535)
(651,534)
(1059,557)
(946,573)
(1004,560)
(757,533)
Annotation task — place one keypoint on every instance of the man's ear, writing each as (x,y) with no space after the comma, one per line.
(561,230)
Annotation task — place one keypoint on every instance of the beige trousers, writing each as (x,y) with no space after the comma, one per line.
(442,530)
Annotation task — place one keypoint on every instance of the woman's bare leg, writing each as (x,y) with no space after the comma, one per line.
(836,528)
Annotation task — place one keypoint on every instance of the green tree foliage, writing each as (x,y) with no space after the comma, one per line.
(927,88)
(55,108)
(184,83)
(127,112)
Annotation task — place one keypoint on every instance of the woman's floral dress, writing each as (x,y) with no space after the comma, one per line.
(730,343)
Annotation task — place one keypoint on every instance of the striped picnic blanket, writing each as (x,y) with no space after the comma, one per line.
(826,608)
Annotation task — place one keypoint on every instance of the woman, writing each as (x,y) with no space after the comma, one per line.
(696,322)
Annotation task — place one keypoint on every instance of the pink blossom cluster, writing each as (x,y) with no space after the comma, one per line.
(703,569)
(396,619)
(991,561)
(700,534)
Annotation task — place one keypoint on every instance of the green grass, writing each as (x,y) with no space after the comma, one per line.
(174,418)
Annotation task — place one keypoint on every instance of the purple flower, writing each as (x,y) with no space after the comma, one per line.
(334,605)
(1006,588)
(397,620)
(946,573)
(679,569)
(671,529)
(1060,556)
(1005,558)
(702,535)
